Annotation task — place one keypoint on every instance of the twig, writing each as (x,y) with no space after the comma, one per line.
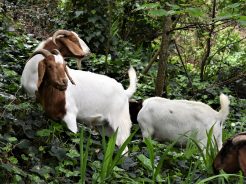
(228,81)
(151,61)
(208,43)
(223,47)
(182,62)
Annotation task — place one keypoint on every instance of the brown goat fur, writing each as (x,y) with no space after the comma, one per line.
(52,83)
(232,157)
(55,106)
(54,72)
(68,46)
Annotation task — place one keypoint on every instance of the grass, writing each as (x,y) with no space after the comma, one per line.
(199,160)
(83,155)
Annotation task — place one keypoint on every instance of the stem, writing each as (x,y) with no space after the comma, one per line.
(152,60)
(208,43)
(182,62)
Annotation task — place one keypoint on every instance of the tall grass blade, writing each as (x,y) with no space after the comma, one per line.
(118,156)
(159,165)
(103,139)
(217,176)
(108,157)
(150,148)
(83,155)
(191,173)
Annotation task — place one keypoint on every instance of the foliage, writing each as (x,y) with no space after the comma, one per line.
(35,149)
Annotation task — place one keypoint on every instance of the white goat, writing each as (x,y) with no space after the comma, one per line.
(67,42)
(94,99)
(167,119)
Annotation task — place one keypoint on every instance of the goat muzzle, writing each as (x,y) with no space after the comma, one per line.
(61,85)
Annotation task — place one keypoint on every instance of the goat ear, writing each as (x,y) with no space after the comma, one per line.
(242,159)
(41,72)
(72,47)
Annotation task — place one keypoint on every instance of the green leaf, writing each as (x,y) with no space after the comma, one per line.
(58,152)
(78,13)
(13,160)
(44,133)
(73,153)
(158,13)
(148,6)
(12,139)
(151,152)
(235,5)
(145,161)
(195,12)
(242,20)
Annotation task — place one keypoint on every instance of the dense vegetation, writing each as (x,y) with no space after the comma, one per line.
(180,49)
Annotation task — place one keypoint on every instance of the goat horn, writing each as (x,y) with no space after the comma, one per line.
(239,139)
(56,52)
(44,52)
(69,77)
(60,32)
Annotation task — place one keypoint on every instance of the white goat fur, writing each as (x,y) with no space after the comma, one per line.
(96,99)
(29,77)
(167,119)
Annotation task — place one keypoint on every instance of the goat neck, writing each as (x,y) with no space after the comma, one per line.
(55,106)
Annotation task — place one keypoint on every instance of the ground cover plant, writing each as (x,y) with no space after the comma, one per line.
(36,149)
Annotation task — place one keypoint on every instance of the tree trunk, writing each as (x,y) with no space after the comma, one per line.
(161,78)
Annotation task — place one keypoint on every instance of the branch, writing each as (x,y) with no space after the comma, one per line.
(151,61)
(201,25)
(223,47)
(180,57)
(228,81)
(208,44)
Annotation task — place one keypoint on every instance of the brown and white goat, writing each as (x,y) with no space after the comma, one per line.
(96,100)
(232,157)
(67,42)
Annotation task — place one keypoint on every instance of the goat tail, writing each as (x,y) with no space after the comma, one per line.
(133,82)
(224,103)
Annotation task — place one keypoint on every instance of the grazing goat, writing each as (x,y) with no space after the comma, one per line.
(67,42)
(232,157)
(94,99)
(167,119)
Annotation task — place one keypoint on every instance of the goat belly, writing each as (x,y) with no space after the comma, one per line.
(53,102)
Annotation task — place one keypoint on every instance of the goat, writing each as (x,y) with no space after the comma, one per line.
(232,156)
(94,99)
(166,119)
(67,42)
